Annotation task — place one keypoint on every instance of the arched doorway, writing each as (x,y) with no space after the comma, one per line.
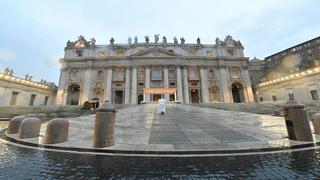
(73,94)
(237,92)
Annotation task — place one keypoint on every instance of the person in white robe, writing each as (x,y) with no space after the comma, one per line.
(162,106)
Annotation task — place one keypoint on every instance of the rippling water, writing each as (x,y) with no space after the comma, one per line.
(24,163)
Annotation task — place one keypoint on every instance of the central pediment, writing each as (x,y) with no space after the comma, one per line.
(155,52)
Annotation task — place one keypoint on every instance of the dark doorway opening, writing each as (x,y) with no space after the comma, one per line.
(156,97)
(140,98)
(118,99)
(194,96)
(237,92)
(73,94)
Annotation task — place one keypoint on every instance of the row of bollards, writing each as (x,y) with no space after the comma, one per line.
(29,127)
(297,121)
(57,128)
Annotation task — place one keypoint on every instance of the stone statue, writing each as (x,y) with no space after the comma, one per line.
(218,41)
(11,72)
(164,40)
(147,39)
(30,78)
(156,38)
(93,41)
(291,97)
(129,40)
(112,41)
(175,40)
(6,71)
(136,40)
(198,41)
(229,37)
(26,77)
(69,44)
(182,40)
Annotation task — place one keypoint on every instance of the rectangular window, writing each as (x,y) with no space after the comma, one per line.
(79,53)
(172,73)
(46,100)
(211,74)
(33,97)
(314,95)
(274,98)
(140,73)
(14,98)
(118,74)
(156,73)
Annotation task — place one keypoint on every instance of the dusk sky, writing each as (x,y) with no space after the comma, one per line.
(33,33)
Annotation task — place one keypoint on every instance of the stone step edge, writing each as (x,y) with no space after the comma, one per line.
(138,152)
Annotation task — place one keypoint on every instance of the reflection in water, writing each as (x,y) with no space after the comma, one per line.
(20,163)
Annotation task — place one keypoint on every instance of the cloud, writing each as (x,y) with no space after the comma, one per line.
(7,54)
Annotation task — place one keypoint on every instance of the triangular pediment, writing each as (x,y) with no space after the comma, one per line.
(155,52)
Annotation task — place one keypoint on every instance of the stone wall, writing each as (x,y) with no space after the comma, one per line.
(62,111)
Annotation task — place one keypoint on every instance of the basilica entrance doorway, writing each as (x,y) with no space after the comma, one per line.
(140,98)
(194,96)
(73,94)
(118,98)
(156,97)
(237,92)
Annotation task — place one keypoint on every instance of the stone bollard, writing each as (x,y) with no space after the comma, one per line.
(297,123)
(315,118)
(53,115)
(14,124)
(43,117)
(29,128)
(57,131)
(104,126)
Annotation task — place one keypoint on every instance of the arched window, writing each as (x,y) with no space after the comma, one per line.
(99,77)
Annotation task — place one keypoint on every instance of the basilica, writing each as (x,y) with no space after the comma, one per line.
(144,71)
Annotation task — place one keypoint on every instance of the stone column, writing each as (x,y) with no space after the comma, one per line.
(204,85)
(147,82)
(134,85)
(185,85)
(127,86)
(166,82)
(250,97)
(108,89)
(179,83)
(224,84)
(87,85)
(62,91)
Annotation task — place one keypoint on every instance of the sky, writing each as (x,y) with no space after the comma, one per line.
(33,33)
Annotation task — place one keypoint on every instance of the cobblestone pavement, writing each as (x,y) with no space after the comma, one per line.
(22,163)
(182,128)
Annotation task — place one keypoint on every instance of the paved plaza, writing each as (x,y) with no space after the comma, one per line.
(182,128)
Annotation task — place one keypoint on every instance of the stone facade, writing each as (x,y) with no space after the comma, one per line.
(15,91)
(146,71)
(293,72)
